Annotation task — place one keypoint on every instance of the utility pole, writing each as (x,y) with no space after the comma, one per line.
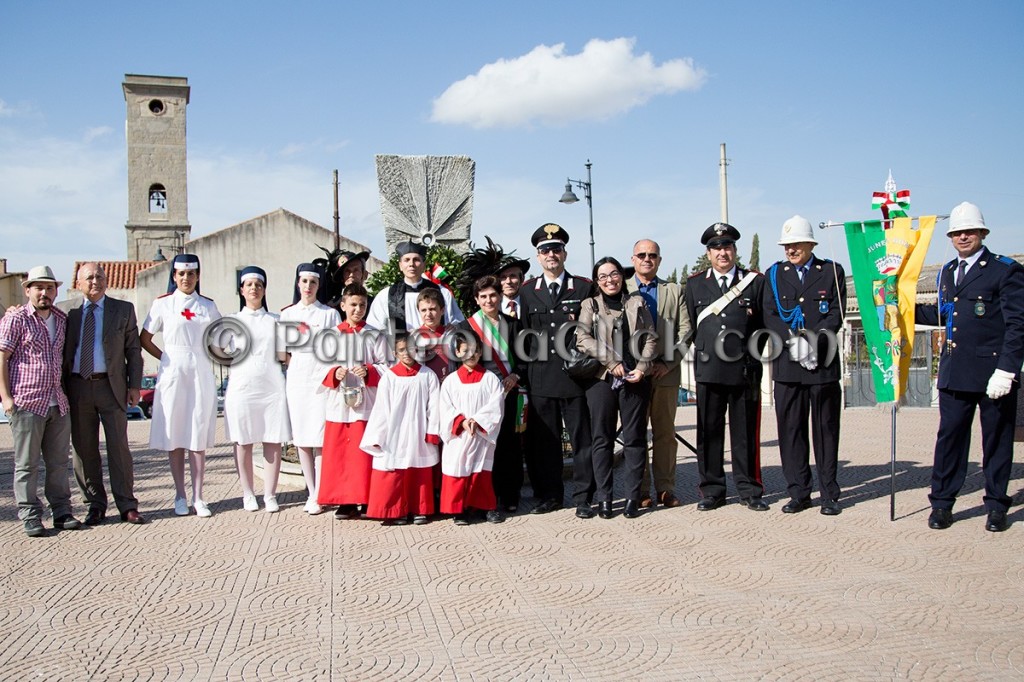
(723,185)
(337,227)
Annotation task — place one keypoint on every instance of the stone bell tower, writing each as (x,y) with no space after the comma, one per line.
(157,191)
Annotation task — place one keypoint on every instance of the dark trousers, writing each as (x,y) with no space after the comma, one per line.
(744,409)
(93,404)
(544,456)
(793,404)
(952,445)
(507,472)
(607,407)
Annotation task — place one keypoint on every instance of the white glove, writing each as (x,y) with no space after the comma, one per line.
(999,384)
(800,351)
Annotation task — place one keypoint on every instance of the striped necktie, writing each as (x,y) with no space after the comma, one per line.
(85,361)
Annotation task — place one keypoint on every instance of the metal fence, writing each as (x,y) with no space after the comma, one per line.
(860,384)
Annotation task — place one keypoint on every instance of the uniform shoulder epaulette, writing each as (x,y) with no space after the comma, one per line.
(530,281)
(165,295)
(696,274)
(1005,260)
(206,297)
(287,307)
(583,279)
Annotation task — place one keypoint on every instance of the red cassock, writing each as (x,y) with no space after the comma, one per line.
(345,468)
(467,459)
(401,435)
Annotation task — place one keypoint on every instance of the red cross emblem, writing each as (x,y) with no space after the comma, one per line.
(187,314)
(303,327)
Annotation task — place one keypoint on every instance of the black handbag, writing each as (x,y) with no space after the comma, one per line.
(579,365)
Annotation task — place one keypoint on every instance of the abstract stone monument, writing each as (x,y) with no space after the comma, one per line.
(428,199)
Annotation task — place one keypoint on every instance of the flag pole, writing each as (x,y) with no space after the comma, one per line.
(888,221)
(892,468)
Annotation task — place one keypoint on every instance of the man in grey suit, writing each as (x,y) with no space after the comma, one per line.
(667,307)
(103,374)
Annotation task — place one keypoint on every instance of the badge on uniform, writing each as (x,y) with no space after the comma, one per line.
(979,309)
(823,307)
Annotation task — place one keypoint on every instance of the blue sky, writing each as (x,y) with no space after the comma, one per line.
(815,100)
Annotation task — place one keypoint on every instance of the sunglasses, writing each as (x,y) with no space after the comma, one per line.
(647,256)
(551,248)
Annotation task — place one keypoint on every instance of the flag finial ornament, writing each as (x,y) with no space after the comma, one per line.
(894,203)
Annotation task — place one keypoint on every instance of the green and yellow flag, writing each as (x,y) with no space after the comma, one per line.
(886,264)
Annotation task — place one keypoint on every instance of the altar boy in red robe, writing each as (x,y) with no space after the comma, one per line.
(361,359)
(471,405)
(402,436)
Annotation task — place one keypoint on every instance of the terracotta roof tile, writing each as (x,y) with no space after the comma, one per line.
(120,273)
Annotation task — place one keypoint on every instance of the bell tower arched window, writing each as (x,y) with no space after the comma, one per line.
(157,199)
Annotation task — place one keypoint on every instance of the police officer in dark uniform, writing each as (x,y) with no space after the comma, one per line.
(724,306)
(549,301)
(804,302)
(981,305)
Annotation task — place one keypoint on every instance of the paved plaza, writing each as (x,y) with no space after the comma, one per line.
(677,594)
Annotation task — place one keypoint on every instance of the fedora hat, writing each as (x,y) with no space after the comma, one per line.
(41,273)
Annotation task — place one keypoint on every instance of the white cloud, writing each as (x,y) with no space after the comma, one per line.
(548,86)
(99,131)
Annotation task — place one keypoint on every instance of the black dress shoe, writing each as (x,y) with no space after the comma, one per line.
(709,503)
(584,511)
(830,508)
(795,506)
(604,509)
(95,517)
(131,516)
(547,506)
(67,522)
(996,522)
(755,503)
(632,509)
(940,519)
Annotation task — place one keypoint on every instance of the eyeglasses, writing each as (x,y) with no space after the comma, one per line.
(551,248)
(609,276)
(647,256)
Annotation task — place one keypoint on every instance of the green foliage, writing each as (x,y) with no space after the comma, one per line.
(439,253)
(755,253)
(674,277)
(703,263)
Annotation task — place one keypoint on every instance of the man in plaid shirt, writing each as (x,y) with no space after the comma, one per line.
(31,354)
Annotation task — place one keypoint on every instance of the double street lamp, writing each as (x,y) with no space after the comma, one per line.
(569,197)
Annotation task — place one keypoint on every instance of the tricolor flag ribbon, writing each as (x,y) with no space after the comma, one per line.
(437,274)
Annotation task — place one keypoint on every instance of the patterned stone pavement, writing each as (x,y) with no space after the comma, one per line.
(676,594)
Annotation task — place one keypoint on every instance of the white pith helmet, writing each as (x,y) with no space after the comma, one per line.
(966,216)
(797,229)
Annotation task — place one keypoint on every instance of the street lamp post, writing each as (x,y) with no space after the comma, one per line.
(569,197)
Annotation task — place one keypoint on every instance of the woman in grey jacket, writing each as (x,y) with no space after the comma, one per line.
(616,328)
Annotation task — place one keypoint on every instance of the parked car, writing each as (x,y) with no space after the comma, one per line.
(221,391)
(146,395)
(135,413)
